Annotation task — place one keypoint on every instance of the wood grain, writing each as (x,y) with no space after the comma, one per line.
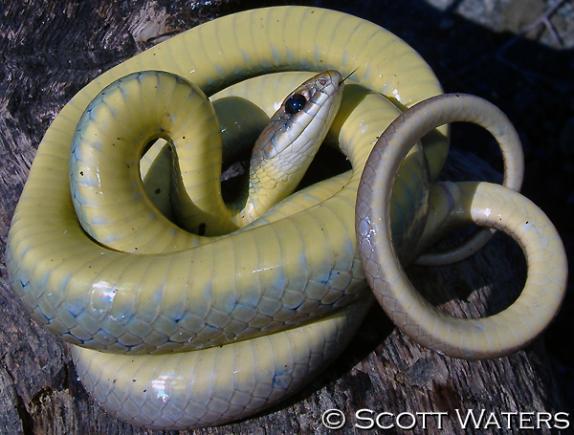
(49,50)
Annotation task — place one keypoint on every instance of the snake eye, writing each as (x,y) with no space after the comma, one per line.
(295,103)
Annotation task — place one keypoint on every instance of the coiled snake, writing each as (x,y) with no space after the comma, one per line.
(273,302)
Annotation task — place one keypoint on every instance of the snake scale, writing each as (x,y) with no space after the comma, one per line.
(174,329)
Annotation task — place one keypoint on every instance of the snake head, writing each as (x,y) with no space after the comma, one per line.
(286,147)
(303,119)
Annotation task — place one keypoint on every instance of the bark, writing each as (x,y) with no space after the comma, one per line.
(49,50)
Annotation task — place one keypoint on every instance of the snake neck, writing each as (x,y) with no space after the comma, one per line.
(163,102)
(285,149)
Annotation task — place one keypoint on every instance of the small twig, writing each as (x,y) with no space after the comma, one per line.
(552,29)
(544,19)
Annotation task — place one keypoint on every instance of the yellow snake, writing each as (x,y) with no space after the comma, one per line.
(272,302)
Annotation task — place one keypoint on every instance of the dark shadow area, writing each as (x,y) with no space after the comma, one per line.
(530,82)
(533,85)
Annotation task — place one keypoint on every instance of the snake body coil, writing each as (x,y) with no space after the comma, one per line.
(272,302)
(294,266)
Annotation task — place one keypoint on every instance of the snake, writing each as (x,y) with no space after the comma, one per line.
(228,307)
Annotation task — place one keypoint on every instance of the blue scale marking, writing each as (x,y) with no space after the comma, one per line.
(280,379)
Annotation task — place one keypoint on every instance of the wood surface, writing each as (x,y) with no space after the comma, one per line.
(49,50)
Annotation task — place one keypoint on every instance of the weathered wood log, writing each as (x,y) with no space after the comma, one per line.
(49,50)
